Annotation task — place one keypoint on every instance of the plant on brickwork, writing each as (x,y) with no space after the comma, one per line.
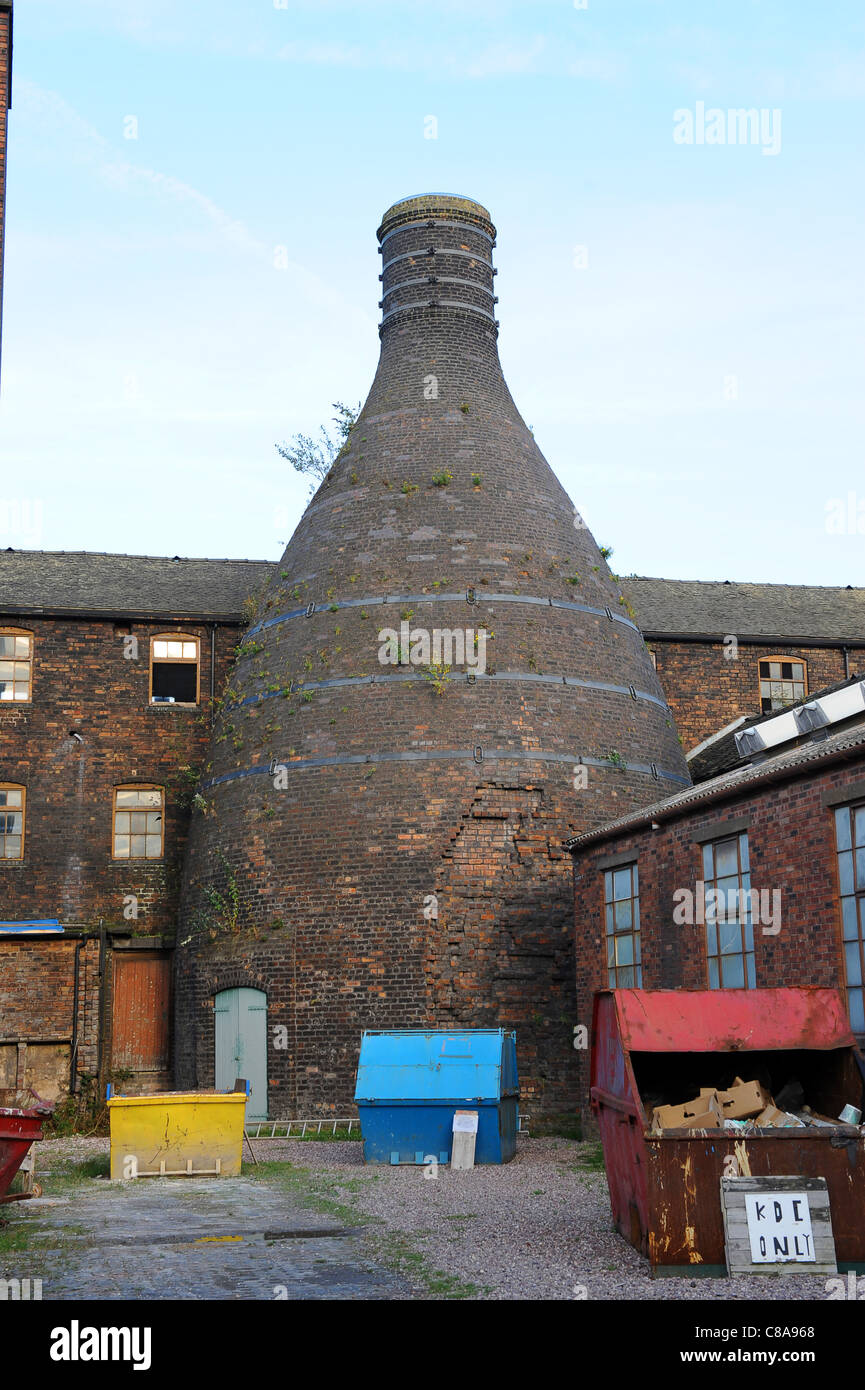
(438,675)
(476,479)
(199,803)
(615,759)
(442,478)
(573,579)
(185,785)
(224,903)
(408,488)
(606,551)
(465,407)
(317,459)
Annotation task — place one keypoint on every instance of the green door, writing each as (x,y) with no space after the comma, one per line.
(241,1045)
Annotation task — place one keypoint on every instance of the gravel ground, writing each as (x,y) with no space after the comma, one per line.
(537,1228)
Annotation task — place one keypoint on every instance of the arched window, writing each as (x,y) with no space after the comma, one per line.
(783,681)
(138,831)
(12,808)
(174,666)
(16,665)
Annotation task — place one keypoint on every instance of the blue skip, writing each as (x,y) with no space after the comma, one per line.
(410,1082)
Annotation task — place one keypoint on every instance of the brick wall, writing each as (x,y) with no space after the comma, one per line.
(791,842)
(39,1022)
(83,682)
(706,690)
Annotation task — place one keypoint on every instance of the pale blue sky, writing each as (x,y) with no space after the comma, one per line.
(153,352)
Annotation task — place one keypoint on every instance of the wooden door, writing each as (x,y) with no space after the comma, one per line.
(141,1011)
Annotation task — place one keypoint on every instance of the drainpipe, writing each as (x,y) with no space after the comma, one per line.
(212,669)
(73,1050)
(846,651)
(99,1040)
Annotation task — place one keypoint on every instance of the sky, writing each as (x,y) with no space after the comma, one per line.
(193,192)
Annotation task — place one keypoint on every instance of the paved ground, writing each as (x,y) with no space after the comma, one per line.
(198,1239)
(313,1222)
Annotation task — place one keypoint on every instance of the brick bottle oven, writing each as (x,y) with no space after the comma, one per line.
(381,840)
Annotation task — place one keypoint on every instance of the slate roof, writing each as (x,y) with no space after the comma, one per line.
(75,583)
(787,764)
(71,582)
(792,612)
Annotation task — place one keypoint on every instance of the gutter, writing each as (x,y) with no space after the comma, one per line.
(752,639)
(726,793)
(125,616)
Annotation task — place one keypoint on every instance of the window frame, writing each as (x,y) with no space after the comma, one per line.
(858,897)
(797,660)
(176,661)
(634,932)
(710,846)
(136,858)
(31,661)
(14,787)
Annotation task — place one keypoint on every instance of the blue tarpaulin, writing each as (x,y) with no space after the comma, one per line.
(48,925)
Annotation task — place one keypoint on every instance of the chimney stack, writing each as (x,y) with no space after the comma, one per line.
(388,808)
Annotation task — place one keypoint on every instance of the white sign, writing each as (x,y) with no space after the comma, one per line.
(779,1227)
(465,1122)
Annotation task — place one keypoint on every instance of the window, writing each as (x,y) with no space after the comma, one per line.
(12,822)
(16,666)
(138,822)
(622,914)
(174,670)
(727,903)
(782,683)
(850,844)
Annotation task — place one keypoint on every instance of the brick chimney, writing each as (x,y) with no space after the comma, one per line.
(392,830)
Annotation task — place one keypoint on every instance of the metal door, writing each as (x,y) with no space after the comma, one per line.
(241,1045)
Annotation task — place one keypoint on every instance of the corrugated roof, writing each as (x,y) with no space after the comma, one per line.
(786,611)
(84,582)
(739,779)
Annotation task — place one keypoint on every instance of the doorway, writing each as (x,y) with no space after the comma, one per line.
(241,1045)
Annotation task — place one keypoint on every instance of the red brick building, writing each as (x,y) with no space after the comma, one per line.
(109,670)
(725,651)
(753,878)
